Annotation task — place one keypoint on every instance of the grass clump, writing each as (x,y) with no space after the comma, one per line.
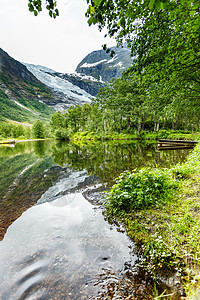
(140,190)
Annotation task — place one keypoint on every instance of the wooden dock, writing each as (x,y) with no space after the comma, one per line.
(164,144)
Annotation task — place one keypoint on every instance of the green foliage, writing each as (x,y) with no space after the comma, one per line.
(35,6)
(162,35)
(61,134)
(10,130)
(140,189)
(38,130)
(25,93)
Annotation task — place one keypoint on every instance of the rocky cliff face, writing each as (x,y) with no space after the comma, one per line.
(102,67)
(11,66)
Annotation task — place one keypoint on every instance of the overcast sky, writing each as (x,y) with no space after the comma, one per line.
(59,44)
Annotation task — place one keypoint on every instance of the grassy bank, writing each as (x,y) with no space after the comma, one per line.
(88,136)
(161,212)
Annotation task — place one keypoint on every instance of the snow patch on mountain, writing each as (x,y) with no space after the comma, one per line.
(87,65)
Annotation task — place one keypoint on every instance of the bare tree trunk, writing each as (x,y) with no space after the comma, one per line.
(143,122)
(176,123)
(120,125)
(139,127)
(158,125)
(186,121)
(164,122)
(155,122)
(129,123)
(173,122)
(193,122)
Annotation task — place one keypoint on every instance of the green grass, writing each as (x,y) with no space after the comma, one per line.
(167,233)
(87,136)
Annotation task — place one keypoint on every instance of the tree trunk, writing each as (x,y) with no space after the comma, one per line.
(193,122)
(176,123)
(139,127)
(164,121)
(173,122)
(186,121)
(155,122)
(120,130)
(129,123)
(143,122)
(158,125)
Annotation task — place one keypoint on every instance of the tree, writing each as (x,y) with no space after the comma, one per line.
(164,36)
(38,130)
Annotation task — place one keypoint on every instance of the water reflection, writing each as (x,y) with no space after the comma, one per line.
(61,252)
(30,168)
(63,248)
(108,160)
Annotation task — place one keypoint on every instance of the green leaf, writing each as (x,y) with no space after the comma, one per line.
(91,9)
(192,12)
(97,2)
(31,8)
(151,3)
(90,21)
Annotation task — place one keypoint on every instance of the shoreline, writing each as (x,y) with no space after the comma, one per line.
(168,235)
(13,141)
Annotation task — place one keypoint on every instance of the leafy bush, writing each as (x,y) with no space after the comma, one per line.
(140,189)
(61,134)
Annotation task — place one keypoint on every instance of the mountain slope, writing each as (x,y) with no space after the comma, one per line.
(22,95)
(93,73)
(101,66)
(67,93)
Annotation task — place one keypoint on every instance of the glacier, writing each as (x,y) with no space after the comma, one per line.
(68,93)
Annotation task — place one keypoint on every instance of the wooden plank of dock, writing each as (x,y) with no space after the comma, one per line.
(176,141)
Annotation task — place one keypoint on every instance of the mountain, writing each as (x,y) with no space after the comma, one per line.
(22,96)
(66,92)
(93,73)
(29,92)
(101,66)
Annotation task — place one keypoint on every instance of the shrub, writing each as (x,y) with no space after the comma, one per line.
(61,134)
(140,189)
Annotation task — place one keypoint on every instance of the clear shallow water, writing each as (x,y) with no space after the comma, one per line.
(62,248)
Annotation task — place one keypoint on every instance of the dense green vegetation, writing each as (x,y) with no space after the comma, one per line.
(160,209)
(162,35)
(140,189)
(10,110)
(9,130)
(38,130)
(115,114)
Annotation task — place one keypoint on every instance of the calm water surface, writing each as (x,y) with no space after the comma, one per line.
(55,243)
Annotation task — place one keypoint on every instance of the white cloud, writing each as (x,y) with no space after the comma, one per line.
(59,44)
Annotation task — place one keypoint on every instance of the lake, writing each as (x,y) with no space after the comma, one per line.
(55,241)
